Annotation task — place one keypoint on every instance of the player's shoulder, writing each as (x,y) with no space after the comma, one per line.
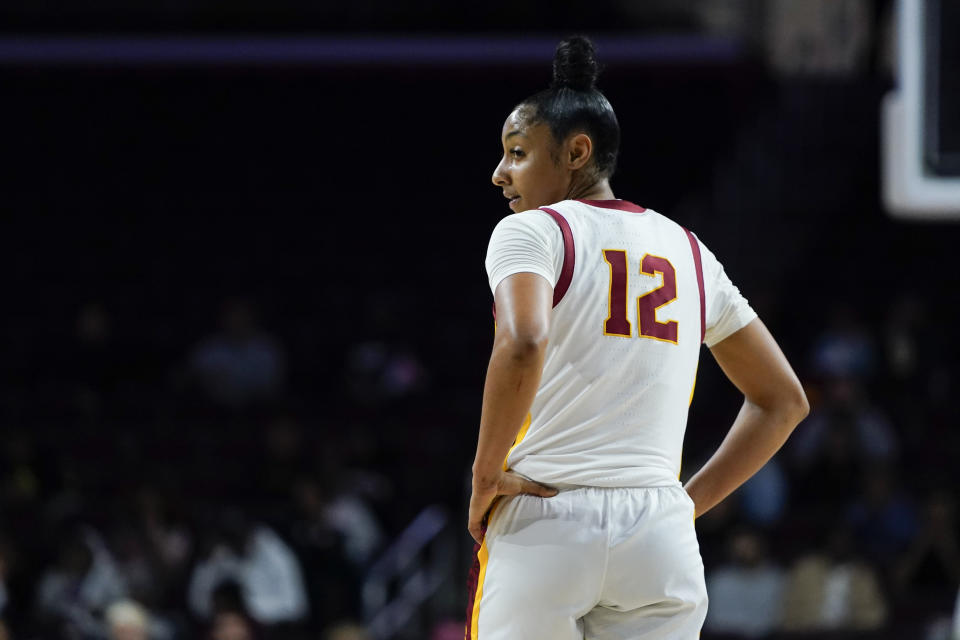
(531,220)
(523,230)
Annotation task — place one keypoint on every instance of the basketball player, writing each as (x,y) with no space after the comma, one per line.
(601,307)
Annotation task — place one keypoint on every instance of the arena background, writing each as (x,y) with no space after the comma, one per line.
(246,320)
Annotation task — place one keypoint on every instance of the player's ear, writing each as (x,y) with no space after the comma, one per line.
(579,151)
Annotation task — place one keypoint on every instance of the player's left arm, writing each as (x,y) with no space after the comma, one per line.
(524,303)
(774,403)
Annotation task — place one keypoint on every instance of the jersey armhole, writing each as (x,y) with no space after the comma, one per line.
(695,248)
(569,255)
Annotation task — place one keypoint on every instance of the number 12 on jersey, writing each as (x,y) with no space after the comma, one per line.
(617,323)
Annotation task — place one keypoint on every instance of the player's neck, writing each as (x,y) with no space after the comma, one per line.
(599,190)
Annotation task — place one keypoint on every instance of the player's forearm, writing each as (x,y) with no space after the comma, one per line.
(513,376)
(756,435)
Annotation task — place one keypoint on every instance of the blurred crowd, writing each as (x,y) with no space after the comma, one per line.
(204,508)
(853,527)
(212,508)
(173,470)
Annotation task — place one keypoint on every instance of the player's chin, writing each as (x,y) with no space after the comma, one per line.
(516,204)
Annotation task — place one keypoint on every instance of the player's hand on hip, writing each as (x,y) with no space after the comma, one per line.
(507,483)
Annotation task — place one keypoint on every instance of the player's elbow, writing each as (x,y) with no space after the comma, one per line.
(523,347)
(797,405)
(792,405)
(787,403)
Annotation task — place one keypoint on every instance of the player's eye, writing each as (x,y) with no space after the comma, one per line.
(517,152)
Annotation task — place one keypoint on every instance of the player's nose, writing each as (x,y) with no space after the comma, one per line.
(500,177)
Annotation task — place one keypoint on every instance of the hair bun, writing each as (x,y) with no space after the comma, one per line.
(575,64)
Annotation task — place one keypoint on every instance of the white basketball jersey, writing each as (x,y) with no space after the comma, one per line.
(635,294)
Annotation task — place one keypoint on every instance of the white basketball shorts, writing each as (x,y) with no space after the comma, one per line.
(589,563)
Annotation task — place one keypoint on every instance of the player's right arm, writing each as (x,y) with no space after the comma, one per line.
(774,403)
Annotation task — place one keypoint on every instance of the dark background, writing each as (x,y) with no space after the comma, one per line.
(349,206)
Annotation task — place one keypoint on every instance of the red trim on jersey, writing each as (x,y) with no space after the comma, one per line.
(695,247)
(569,256)
(622,205)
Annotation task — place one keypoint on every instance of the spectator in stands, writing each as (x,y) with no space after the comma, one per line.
(904,333)
(232,625)
(82,582)
(127,620)
(230,619)
(241,365)
(336,533)
(167,535)
(843,433)
(151,554)
(930,566)
(845,349)
(884,519)
(745,593)
(378,371)
(847,406)
(253,556)
(349,631)
(763,498)
(134,562)
(833,590)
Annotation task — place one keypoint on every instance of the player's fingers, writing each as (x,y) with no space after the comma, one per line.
(476,531)
(537,489)
(478,507)
(513,483)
